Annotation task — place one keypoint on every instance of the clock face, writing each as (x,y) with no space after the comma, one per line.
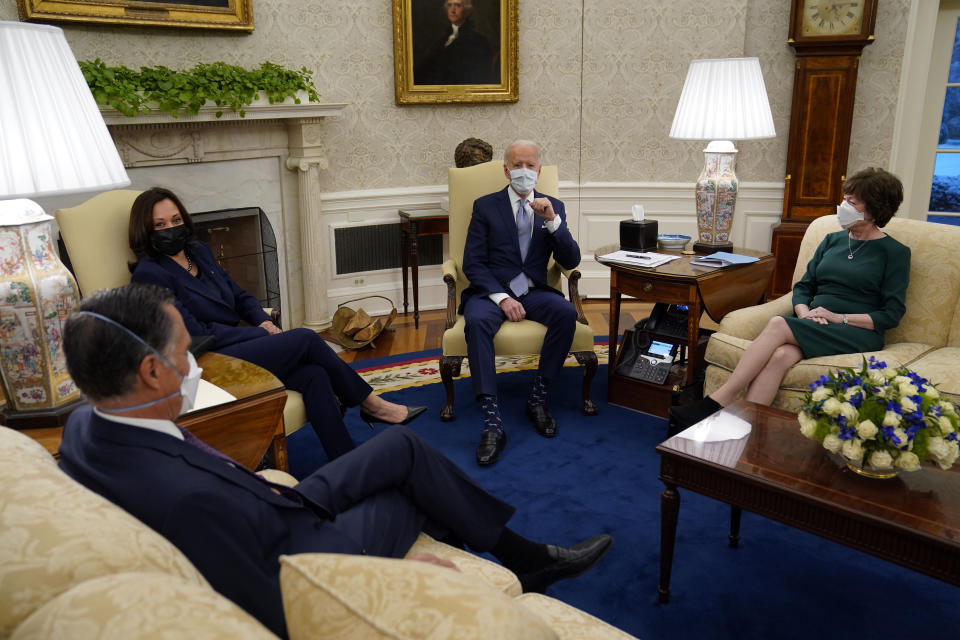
(832,17)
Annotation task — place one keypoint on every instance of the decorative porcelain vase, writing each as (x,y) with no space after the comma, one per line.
(36,294)
(716,193)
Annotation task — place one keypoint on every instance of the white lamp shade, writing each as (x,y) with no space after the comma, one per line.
(723,100)
(52,137)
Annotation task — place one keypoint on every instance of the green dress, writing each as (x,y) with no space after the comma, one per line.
(873,282)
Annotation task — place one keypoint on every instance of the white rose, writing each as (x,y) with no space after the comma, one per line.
(867,430)
(932,392)
(877,378)
(831,407)
(938,448)
(808,426)
(901,380)
(908,461)
(908,389)
(852,450)
(850,393)
(832,443)
(822,393)
(891,419)
(950,459)
(947,407)
(909,406)
(881,460)
(849,412)
(890,374)
(946,427)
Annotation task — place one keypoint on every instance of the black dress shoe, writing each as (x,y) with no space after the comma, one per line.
(542,420)
(688,415)
(566,562)
(491,444)
(412,412)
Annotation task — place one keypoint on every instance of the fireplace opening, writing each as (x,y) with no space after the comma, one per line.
(243,243)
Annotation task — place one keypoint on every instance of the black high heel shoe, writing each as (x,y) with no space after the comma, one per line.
(412,412)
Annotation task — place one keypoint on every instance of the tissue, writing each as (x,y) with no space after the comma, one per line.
(637,212)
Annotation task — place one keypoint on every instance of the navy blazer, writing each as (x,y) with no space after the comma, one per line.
(230,523)
(491,255)
(215,305)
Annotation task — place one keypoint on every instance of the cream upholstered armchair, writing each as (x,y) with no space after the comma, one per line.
(514,338)
(95,234)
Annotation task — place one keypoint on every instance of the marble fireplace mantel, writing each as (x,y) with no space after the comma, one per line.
(287,133)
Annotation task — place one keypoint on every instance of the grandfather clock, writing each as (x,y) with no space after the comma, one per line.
(828,36)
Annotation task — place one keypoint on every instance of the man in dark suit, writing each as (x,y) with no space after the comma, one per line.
(512,235)
(127,350)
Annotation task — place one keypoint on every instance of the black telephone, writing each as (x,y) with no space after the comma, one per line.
(646,359)
(668,320)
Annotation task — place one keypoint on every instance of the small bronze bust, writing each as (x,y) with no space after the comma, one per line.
(472,151)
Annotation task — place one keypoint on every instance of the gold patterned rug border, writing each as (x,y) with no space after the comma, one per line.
(424,371)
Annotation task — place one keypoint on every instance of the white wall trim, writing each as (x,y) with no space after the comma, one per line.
(594,212)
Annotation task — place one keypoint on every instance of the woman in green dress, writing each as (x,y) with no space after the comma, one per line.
(853,290)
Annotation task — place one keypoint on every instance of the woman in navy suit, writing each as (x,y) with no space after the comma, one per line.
(211,303)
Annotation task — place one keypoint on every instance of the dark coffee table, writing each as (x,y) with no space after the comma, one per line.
(912,520)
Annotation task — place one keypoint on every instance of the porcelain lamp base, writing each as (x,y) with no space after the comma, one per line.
(36,294)
(716,193)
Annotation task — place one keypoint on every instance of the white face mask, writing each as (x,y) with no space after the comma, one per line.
(523,180)
(847,215)
(189,384)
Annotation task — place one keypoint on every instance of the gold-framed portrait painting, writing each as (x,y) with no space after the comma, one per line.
(455,51)
(234,15)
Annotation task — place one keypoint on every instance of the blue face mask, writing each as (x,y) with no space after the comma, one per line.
(188,383)
(523,180)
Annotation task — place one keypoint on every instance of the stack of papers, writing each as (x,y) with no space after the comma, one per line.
(722,259)
(637,258)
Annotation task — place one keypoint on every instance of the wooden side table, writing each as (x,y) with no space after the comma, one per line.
(413,224)
(243,429)
(714,290)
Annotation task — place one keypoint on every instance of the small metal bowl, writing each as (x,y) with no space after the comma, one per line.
(672,241)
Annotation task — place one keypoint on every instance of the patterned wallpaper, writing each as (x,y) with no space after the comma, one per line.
(599,81)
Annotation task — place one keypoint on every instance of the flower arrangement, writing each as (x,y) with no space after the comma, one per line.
(881,419)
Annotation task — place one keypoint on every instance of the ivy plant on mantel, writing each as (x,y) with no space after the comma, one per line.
(136,93)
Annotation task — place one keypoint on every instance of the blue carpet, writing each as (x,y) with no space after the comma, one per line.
(600,475)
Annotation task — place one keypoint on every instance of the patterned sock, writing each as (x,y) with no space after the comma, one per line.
(491,413)
(538,394)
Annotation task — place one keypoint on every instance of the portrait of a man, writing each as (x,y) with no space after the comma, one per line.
(456,42)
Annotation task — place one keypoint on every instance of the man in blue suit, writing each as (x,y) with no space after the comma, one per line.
(127,350)
(512,235)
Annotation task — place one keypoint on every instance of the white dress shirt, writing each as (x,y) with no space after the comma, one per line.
(161,426)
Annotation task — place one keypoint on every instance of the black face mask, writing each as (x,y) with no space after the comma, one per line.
(170,241)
